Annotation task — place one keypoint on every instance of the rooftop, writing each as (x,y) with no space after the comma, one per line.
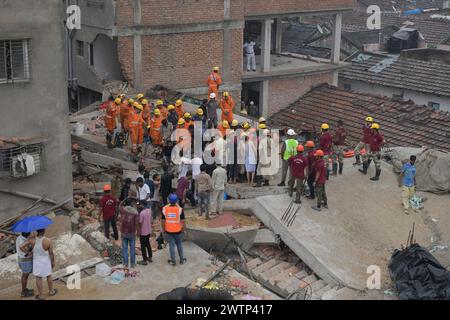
(402,123)
(399,72)
(435,31)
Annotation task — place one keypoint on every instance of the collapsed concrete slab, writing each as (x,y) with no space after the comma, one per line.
(363,226)
(220,239)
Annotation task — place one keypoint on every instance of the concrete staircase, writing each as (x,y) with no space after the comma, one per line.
(284,278)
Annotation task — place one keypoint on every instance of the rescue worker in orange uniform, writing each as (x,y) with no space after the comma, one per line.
(111,119)
(223,127)
(227,105)
(172,224)
(187,120)
(162,108)
(182,135)
(214,81)
(125,110)
(155,128)
(140,97)
(246,126)
(179,108)
(136,125)
(146,113)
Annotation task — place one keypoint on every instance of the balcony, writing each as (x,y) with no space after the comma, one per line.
(285,64)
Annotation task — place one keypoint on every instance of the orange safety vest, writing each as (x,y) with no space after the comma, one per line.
(222,130)
(227,105)
(136,125)
(146,115)
(155,130)
(180,111)
(187,124)
(164,112)
(213,82)
(125,111)
(110,116)
(172,216)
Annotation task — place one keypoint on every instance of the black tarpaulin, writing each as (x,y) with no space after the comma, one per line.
(418,275)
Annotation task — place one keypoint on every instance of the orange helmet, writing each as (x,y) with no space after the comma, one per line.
(107,187)
(309,144)
(319,153)
(300,148)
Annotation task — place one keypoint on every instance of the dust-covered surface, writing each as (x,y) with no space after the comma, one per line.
(150,281)
(69,249)
(364,224)
(243,218)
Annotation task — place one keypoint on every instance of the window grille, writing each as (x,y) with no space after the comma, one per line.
(14,61)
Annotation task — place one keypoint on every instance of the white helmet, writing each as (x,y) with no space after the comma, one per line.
(212,95)
(291,132)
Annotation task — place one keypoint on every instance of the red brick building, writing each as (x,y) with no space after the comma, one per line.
(175,43)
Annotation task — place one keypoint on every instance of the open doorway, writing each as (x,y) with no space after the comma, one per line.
(251,93)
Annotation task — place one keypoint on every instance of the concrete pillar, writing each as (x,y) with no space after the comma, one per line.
(266,36)
(264,98)
(279,35)
(336,39)
(137,47)
(137,59)
(226,42)
(335,78)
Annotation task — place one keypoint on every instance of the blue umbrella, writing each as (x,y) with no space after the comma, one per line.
(32,223)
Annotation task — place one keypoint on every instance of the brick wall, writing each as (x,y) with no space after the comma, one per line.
(124,13)
(255,7)
(181,60)
(283,92)
(165,12)
(126,56)
(236,36)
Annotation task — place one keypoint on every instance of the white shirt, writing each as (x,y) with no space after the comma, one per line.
(20,240)
(249,47)
(219,178)
(144,192)
(196,163)
(184,166)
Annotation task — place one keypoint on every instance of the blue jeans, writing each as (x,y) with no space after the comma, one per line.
(129,240)
(175,240)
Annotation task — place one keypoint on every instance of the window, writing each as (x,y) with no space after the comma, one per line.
(347,86)
(91,54)
(434,105)
(10,156)
(80,48)
(14,63)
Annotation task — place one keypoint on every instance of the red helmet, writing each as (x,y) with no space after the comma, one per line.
(310,144)
(300,148)
(319,153)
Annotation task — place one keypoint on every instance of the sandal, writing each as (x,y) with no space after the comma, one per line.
(28,293)
(38,297)
(54,291)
